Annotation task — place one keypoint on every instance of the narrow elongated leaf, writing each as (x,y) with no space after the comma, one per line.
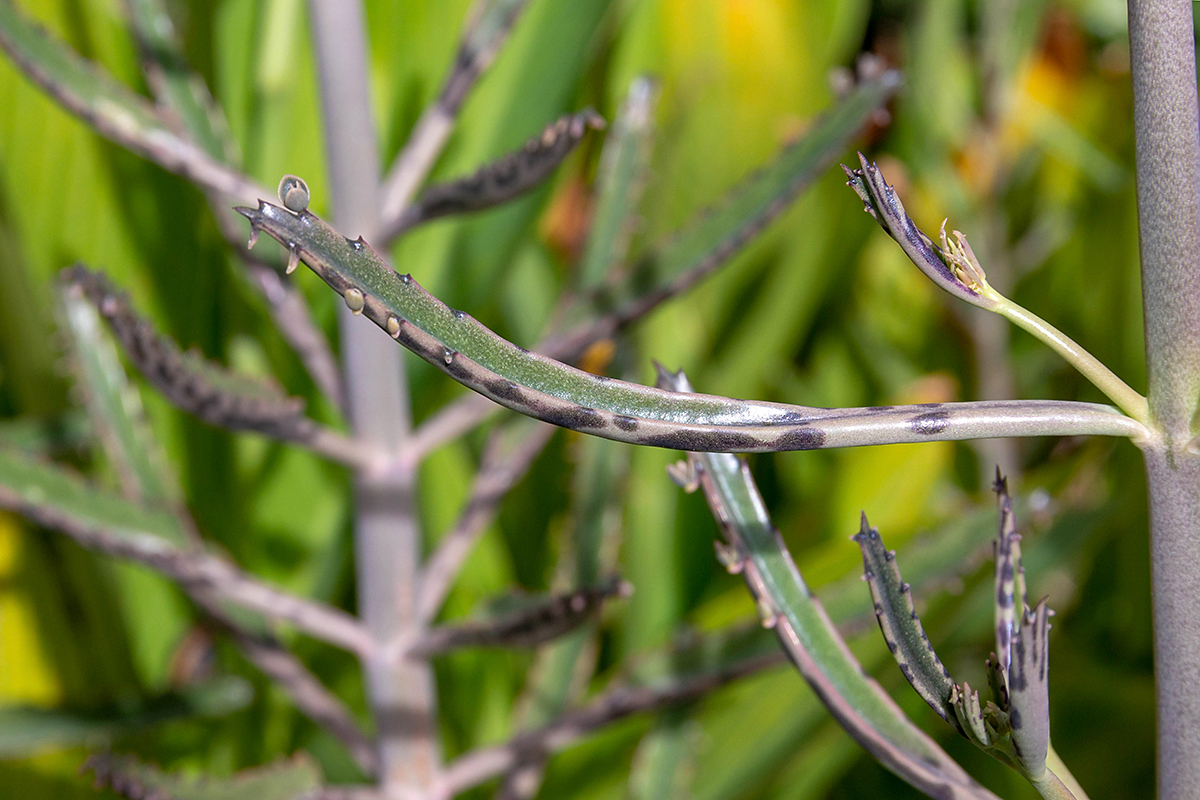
(559,394)
(111,108)
(810,639)
(180,90)
(540,621)
(484,34)
(133,779)
(720,232)
(211,393)
(622,178)
(56,498)
(901,626)
(114,405)
(26,731)
(504,179)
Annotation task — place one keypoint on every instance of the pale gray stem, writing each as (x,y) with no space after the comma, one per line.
(387,538)
(1163,63)
(990,335)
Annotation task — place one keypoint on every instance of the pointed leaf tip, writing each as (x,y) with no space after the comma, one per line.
(945,268)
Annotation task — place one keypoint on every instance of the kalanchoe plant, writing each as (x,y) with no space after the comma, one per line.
(393,634)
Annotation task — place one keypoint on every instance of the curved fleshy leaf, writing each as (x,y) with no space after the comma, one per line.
(901,627)
(559,394)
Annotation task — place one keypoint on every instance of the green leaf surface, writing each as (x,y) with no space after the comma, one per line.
(27,730)
(283,780)
(111,108)
(901,627)
(52,496)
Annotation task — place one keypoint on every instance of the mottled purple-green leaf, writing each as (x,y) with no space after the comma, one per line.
(1028,685)
(504,179)
(199,387)
(900,625)
(1010,600)
(537,621)
(881,202)
(553,392)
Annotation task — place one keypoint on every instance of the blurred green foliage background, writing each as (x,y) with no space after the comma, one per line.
(1015,123)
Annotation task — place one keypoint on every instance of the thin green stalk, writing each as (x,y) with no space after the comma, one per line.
(1088,365)
(387,537)
(1167,123)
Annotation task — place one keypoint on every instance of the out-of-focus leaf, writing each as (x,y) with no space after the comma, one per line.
(54,497)
(67,432)
(181,90)
(720,232)
(1028,687)
(213,394)
(111,108)
(26,730)
(128,777)
(504,179)
(624,163)
(115,407)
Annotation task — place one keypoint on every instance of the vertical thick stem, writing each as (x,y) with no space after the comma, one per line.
(1175,554)
(1163,64)
(386,535)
